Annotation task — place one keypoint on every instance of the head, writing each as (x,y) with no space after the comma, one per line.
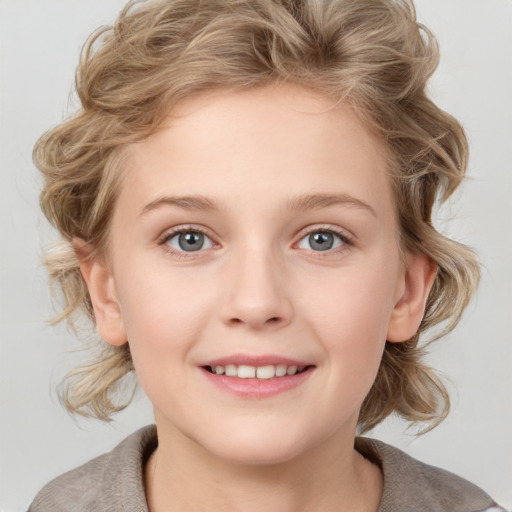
(370,57)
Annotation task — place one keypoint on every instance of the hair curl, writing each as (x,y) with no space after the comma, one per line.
(371,54)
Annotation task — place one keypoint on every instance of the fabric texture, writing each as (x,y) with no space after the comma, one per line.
(114,482)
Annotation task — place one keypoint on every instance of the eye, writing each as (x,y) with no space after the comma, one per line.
(322,241)
(188,241)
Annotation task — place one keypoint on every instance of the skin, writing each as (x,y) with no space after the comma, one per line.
(258,287)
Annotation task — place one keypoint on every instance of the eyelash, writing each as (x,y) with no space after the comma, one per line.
(169,235)
(346,238)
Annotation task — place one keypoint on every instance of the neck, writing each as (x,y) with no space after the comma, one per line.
(331,477)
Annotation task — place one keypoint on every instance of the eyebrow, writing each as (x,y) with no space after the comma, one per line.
(297,203)
(319,201)
(185,202)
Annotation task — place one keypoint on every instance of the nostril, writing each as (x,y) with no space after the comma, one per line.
(272,320)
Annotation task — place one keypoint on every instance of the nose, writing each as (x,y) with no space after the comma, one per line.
(257,295)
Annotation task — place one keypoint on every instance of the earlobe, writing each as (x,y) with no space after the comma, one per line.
(407,314)
(100,283)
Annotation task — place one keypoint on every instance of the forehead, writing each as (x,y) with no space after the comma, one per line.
(263,143)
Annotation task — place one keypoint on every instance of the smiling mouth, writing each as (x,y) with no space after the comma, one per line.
(256,372)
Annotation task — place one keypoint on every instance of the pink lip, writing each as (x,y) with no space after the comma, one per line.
(256,388)
(263,360)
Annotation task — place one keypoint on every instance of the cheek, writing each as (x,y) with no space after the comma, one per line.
(157,302)
(350,315)
(360,302)
(163,316)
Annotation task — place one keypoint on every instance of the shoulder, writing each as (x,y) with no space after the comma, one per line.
(113,481)
(412,485)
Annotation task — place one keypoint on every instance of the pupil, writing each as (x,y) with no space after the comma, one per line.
(321,241)
(191,241)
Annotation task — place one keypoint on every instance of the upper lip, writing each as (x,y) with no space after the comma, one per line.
(253,360)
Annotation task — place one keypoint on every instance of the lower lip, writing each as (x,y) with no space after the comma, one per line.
(258,388)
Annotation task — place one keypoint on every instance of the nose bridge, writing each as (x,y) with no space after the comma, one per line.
(257,294)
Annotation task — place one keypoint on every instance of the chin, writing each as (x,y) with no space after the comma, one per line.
(257,446)
(263,455)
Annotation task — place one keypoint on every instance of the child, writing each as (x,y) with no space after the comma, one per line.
(245,207)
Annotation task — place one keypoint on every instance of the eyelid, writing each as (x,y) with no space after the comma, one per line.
(170,233)
(345,235)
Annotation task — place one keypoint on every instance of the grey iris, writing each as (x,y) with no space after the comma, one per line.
(191,241)
(321,241)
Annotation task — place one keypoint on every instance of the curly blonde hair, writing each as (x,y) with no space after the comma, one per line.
(371,54)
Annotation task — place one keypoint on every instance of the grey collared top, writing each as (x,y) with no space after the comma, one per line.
(114,482)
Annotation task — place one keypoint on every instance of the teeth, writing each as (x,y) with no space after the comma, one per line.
(265,372)
(258,372)
(281,370)
(291,370)
(246,372)
(231,370)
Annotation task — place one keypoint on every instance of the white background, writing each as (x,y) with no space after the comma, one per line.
(39,45)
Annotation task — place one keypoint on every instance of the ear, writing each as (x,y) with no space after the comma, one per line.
(419,275)
(100,283)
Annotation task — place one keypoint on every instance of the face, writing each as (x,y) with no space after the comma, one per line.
(255,270)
